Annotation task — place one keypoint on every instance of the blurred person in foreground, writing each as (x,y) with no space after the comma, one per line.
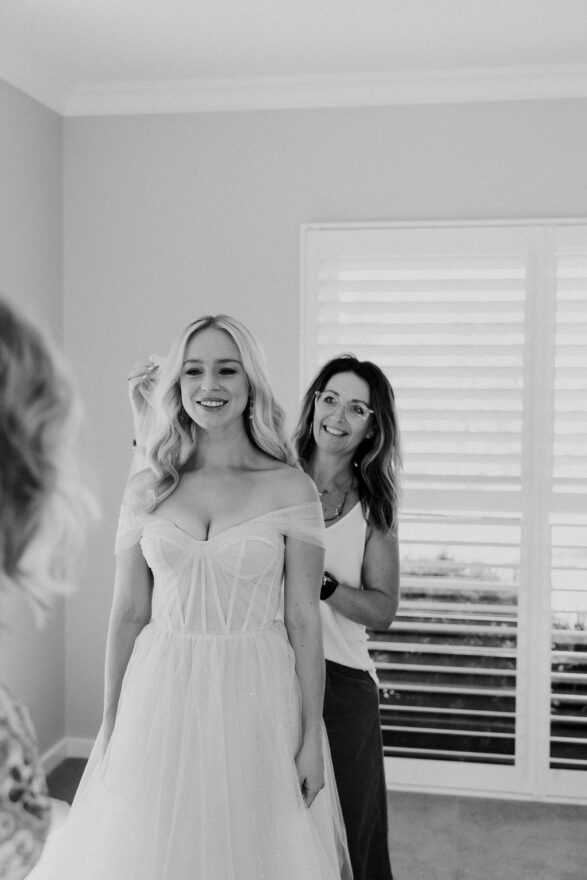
(43,509)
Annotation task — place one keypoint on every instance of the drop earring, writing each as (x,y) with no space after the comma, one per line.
(251,410)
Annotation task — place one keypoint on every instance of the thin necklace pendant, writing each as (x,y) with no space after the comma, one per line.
(332,518)
(339,507)
(337,513)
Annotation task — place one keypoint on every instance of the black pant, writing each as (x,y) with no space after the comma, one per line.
(351,715)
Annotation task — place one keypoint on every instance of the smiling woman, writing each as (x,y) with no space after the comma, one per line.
(224,366)
(348,441)
(213,383)
(212,760)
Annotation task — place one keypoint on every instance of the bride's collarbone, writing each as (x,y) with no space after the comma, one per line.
(257,470)
(225,484)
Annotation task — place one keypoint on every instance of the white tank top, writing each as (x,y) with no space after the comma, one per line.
(345,641)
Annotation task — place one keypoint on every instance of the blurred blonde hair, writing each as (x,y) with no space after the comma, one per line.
(173,437)
(44,505)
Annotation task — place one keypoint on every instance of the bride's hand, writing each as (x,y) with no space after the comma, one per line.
(141,383)
(310,769)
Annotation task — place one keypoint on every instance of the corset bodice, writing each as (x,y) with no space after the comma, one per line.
(228,583)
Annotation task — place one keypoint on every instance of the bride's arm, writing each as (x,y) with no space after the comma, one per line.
(131,611)
(303,573)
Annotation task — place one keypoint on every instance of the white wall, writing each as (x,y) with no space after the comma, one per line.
(167,218)
(32,661)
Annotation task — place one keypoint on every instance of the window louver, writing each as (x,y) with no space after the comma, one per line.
(568,521)
(482,330)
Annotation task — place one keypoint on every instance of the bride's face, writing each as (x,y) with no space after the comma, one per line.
(214,387)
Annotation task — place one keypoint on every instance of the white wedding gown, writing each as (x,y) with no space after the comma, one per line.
(198,781)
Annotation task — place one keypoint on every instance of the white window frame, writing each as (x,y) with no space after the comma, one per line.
(530,778)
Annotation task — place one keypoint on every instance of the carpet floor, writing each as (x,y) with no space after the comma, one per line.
(441,837)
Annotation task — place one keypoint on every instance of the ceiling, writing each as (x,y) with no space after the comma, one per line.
(78,56)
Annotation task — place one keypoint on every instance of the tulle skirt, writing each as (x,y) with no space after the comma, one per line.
(198,781)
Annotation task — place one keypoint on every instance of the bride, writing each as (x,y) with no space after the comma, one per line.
(211,761)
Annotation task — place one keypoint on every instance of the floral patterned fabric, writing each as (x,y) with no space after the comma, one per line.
(25,808)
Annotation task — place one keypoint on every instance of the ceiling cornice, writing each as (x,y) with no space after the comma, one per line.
(272,93)
(358,90)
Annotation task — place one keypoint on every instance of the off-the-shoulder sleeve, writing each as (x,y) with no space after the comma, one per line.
(130,521)
(304,522)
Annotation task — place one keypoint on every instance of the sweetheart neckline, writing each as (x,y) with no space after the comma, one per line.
(233,527)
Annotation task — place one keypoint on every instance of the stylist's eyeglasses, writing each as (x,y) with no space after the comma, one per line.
(327,402)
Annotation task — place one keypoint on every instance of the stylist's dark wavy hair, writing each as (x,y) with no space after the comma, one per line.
(377,460)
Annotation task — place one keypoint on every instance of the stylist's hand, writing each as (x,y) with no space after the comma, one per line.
(310,768)
(141,384)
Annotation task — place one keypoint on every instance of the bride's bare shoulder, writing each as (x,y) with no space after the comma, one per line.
(293,486)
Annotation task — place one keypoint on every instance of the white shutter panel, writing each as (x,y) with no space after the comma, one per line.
(570,422)
(568,520)
(449,331)
(443,312)
(482,330)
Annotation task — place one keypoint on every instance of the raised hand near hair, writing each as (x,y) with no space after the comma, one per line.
(141,384)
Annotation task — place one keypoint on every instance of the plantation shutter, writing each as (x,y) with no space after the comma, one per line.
(449,330)
(568,504)
(482,331)
(443,312)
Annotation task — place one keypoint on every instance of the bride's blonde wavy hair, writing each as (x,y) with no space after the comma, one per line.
(173,438)
(45,505)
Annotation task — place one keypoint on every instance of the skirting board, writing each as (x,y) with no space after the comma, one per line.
(68,747)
